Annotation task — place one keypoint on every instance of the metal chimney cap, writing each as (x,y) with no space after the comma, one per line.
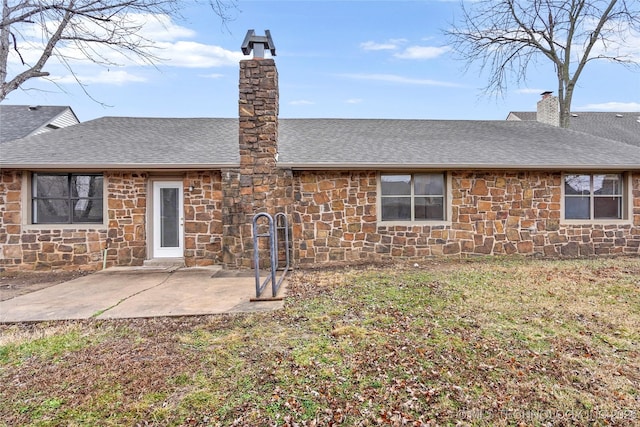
(258,44)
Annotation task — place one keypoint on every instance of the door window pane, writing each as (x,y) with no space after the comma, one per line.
(169,232)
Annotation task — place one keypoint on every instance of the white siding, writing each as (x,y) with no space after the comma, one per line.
(67,118)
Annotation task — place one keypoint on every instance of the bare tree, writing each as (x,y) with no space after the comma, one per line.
(507,36)
(79,29)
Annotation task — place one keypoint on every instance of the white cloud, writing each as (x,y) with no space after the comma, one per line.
(197,55)
(391,44)
(165,40)
(377,46)
(212,76)
(529,91)
(301,102)
(422,52)
(611,106)
(160,28)
(353,101)
(117,78)
(393,78)
(621,42)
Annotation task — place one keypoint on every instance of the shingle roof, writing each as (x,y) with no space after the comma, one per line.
(139,143)
(19,121)
(127,142)
(306,143)
(624,127)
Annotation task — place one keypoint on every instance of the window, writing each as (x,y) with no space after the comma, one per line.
(66,198)
(593,196)
(412,197)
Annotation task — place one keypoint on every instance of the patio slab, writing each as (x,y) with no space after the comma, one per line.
(130,292)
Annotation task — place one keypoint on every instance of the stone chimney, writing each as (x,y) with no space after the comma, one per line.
(548,111)
(258,186)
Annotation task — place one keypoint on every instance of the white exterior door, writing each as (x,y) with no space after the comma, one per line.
(168,219)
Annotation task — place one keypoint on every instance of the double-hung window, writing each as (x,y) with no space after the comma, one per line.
(413,197)
(593,196)
(66,198)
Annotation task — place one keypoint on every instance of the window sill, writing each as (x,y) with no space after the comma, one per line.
(596,222)
(414,223)
(79,226)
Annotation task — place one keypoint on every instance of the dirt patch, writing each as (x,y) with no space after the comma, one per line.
(13,284)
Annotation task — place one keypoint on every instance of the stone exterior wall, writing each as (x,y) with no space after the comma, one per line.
(492,213)
(65,247)
(203,218)
(43,247)
(58,247)
(127,215)
(333,213)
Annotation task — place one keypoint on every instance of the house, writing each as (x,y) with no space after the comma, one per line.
(19,121)
(620,126)
(121,191)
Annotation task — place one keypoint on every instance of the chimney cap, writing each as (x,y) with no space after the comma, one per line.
(258,44)
(546,93)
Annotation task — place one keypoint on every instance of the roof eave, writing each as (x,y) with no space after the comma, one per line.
(452,166)
(119,166)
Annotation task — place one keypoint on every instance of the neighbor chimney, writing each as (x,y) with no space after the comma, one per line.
(548,111)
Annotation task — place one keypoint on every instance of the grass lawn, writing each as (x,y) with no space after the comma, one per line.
(492,341)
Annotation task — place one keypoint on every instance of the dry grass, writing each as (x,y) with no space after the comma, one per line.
(483,342)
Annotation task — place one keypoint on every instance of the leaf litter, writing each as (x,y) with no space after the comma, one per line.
(485,342)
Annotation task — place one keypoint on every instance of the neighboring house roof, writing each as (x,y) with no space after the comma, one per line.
(161,143)
(624,127)
(19,121)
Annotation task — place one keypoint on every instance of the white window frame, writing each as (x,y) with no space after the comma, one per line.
(447,197)
(627,197)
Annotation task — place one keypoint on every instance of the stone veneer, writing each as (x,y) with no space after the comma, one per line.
(69,247)
(258,185)
(127,216)
(203,218)
(333,213)
(57,247)
(493,212)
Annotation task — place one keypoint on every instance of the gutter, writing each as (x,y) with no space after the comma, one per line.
(119,166)
(453,166)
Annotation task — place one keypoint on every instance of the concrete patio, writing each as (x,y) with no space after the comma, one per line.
(130,292)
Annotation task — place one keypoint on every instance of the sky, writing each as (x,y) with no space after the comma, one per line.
(335,59)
